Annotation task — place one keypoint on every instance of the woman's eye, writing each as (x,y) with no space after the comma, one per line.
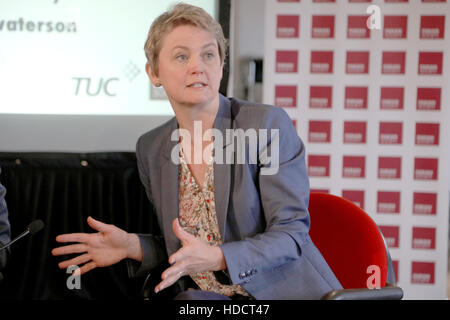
(209,55)
(181,57)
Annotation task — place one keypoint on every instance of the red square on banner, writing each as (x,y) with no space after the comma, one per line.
(389,167)
(355,98)
(287,26)
(355,196)
(354,167)
(388,202)
(357,62)
(286,61)
(321,62)
(320,97)
(430,63)
(424,238)
(395,27)
(427,134)
(391,235)
(428,99)
(319,190)
(286,96)
(391,133)
(391,98)
(425,168)
(422,272)
(393,63)
(322,27)
(355,131)
(432,27)
(424,203)
(395,266)
(357,27)
(319,166)
(319,131)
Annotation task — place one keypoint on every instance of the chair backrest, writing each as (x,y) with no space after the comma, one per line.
(348,239)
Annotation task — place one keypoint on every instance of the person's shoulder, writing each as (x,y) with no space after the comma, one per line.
(157,137)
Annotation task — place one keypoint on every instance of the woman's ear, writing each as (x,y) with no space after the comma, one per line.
(151,75)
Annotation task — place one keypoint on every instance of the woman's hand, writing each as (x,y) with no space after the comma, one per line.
(194,256)
(104,248)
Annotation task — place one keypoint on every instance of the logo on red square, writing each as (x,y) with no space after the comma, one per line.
(391,235)
(428,99)
(424,203)
(286,61)
(432,27)
(389,167)
(427,134)
(430,63)
(354,167)
(422,272)
(355,131)
(393,62)
(391,98)
(319,131)
(355,98)
(320,97)
(388,202)
(319,165)
(425,168)
(321,62)
(395,27)
(357,27)
(288,26)
(286,96)
(391,133)
(357,62)
(355,196)
(424,238)
(322,27)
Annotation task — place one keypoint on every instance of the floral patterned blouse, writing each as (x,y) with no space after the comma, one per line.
(197,214)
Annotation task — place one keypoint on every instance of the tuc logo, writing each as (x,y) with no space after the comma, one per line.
(390,133)
(393,62)
(355,131)
(356,27)
(388,202)
(354,167)
(355,196)
(320,97)
(322,27)
(424,203)
(286,61)
(422,272)
(432,27)
(424,238)
(395,27)
(389,167)
(391,98)
(321,62)
(286,96)
(319,131)
(391,235)
(319,166)
(428,99)
(430,63)
(96,87)
(355,98)
(425,168)
(427,134)
(357,62)
(288,26)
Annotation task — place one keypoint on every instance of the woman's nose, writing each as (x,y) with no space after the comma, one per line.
(196,65)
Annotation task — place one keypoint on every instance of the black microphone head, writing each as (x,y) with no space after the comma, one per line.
(35,226)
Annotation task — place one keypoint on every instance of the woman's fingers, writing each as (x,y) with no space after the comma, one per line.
(75,261)
(74,248)
(87,267)
(73,237)
(97,225)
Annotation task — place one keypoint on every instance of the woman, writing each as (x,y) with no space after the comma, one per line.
(234,229)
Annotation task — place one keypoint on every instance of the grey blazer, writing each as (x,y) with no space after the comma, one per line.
(263,218)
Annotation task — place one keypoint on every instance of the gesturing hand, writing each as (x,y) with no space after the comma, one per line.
(104,248)
(194,256)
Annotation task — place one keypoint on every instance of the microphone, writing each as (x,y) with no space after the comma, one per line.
(32,228)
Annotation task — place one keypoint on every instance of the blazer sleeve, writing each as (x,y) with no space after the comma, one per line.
(153,248)
(5,235)
(284,194)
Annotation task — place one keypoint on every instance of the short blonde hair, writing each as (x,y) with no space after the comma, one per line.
(177,15)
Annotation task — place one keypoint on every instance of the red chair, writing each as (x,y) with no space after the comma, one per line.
(353,247)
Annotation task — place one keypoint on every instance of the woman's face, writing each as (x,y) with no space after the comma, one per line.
(190,68)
